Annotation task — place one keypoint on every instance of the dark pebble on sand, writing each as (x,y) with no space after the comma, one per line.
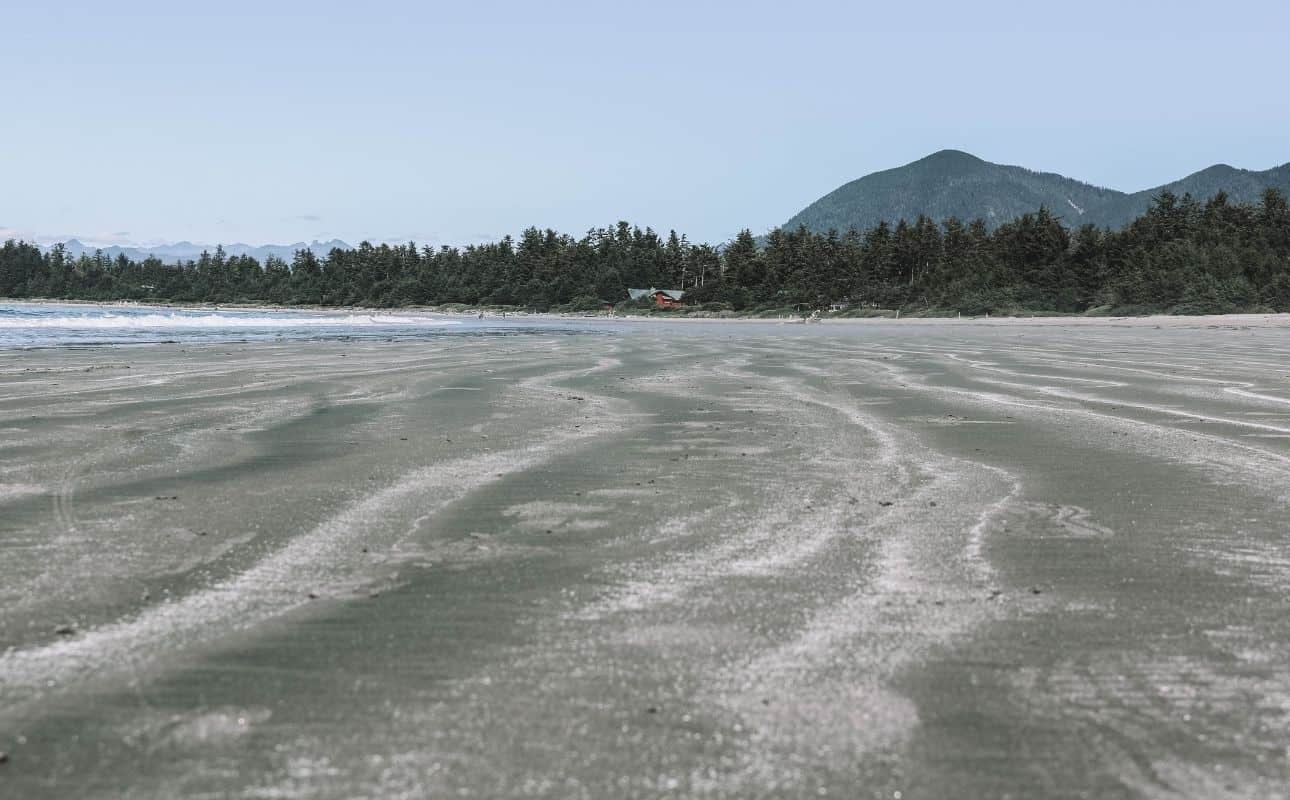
(1036,590)
(64,630)
(885,503)
(166,497)
(313,595)
(652,710)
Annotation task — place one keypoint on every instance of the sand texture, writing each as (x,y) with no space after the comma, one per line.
(731,560)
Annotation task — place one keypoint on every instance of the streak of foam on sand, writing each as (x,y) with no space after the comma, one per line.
(869,631)
(325,555)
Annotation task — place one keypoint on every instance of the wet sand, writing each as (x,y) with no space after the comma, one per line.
(978,559)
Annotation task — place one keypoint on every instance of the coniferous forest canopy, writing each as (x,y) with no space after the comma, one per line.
(1182,256)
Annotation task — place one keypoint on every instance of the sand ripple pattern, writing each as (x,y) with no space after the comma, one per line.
(914,559)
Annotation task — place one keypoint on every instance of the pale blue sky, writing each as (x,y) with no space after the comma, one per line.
(278,121)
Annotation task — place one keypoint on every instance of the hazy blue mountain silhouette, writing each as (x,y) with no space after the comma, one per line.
(186,251)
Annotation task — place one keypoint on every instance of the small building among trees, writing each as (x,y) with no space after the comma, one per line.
(662,298)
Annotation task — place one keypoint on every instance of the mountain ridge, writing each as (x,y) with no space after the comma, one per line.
(954,183)
(189,251)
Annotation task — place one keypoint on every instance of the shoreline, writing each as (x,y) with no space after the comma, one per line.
(1260,319)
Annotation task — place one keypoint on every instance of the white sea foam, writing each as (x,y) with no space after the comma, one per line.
(218,321)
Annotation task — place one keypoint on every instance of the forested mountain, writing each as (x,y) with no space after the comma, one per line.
(1181,255)
(1240,185)
(955,184)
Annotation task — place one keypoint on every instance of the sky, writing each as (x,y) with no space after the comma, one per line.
(138,122)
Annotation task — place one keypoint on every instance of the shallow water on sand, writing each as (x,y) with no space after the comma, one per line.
(723,560)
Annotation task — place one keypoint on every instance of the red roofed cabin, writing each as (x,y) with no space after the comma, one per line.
(663,298)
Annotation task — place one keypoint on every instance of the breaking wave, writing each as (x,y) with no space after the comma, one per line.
(217,321)
(38,324)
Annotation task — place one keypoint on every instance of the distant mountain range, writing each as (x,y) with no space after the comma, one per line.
(952,183)
(186,251)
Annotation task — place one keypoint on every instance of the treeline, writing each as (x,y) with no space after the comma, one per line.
(1182,256)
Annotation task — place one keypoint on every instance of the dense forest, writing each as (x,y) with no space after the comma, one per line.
(1182,256)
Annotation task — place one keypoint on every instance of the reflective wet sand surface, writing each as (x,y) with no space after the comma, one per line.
(985,559)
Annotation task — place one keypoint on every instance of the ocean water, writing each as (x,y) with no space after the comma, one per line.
(55,324)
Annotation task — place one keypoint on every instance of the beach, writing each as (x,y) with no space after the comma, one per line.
(888,559)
